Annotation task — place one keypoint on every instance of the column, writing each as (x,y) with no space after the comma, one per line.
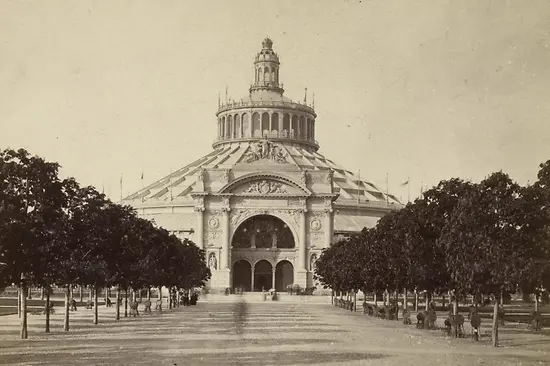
(200,227)
(328,228)
(224,259)
(252,280)
(273,278)
(302,245)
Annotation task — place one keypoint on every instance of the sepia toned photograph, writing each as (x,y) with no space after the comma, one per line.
(283,182)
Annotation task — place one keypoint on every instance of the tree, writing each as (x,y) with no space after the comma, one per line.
(485,253)
(31,213)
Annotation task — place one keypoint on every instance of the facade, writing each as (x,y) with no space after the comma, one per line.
(264,203)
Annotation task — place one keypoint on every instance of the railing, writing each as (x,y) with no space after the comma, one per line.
(264,103)
(284,135)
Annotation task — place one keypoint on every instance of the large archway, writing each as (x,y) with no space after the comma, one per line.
(263,276)
(284,275)
(263,231)
(242,275)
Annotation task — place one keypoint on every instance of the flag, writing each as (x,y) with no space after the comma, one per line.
(405,183)
(141,175)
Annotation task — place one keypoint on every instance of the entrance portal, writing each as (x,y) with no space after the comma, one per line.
(284,275)
(242,274)
(263,276)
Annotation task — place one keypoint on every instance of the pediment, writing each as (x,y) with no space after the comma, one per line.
(265,187)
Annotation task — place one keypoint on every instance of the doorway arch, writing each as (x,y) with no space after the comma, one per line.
(263,231)
(263,276)
(242,275)
(284,275)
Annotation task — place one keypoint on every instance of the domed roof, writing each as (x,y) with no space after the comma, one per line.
(179,185)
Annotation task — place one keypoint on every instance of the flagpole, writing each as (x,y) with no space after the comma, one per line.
(387,190)
(170,178)
(142,186)
(121,188)
(358,183)
(408,189)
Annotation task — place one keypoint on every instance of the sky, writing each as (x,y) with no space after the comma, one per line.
(423,89)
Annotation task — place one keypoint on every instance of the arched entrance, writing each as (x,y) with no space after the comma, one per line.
(263,276)
(263,231)
(242,275)
(284,275)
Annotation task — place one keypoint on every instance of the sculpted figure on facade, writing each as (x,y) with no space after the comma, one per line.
(330,175)
(212,261)
(265,187)
(224,176)
(312,262)
(303,178)
(265,149)
(201,174)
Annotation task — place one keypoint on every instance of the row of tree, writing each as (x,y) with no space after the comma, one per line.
(465,238)
(55,232)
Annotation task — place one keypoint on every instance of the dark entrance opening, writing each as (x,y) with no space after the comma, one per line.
(284,275)
(263,276)
(242,275)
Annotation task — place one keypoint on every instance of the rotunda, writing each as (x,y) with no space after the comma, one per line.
(264,202)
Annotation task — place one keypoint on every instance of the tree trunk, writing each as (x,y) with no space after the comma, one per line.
(47,308)
(405,305)
(170,297)
(455,313)
(427,304)
(133,295)
(495,323)
(24,334)
(536,302)
(96,305)
(140,295)
(19,301)
(332,297)
(126,302)
(148,293)
(160,297)
(178,298)
(415,300)
(355,301)
(91,295)
(42,294)
(375,299)
(81,294)
(66,320)
(118,303)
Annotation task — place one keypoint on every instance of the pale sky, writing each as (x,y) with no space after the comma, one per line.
(430,89)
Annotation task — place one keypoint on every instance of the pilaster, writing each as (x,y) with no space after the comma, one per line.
(199,232)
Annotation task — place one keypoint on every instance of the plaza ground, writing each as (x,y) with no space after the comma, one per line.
(294,331)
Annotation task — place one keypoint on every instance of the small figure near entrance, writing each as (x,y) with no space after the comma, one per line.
(73,305)
(147,305)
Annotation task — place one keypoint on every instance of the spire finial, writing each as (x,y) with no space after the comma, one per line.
(226,95)
(313,103)
(305,97)
(219,102)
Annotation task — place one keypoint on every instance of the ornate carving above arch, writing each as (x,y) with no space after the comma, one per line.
(266,183)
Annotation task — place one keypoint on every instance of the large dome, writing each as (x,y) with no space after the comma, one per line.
(264,197)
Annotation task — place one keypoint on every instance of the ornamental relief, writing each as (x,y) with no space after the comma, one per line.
(315,238)
(265,150)
(265,187)
(315,224)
